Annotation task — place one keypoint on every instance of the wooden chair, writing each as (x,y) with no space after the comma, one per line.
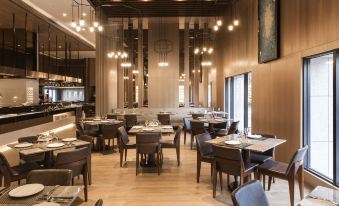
(175,144)
(197,127)
(131,120)
(38,157)
(164,119)
(112,116)
(108,132)
(124,143)
(187,126)
(148,144)
(99,202)
(50,177)
(76,161)
(287,172)
(204,152)
(230,161)
(11,168)
(260,158)
(251,194)
(90,140)
(233,129)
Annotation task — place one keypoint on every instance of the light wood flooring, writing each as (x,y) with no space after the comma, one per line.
(176,185)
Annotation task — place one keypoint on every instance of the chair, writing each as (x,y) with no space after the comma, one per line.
(173,143)
(79,129)
(131,120)
(197,127)
(164,119)
(89,139)
(250,193)
(112,116)
(148,144)
(108,132)
(11,168)
(260,158)
(38,157)
(230,161)
(233,129)
(76,161)
(124,143)
(99,202)
(287,172)
(187,126)
(50,177)
(197,115)
(91,129)
(204,152)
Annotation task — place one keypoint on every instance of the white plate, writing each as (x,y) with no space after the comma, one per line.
(26,190)
(72,139)
(148,129)
(55,145)
(167,127)
(233,142)
(23,145)
(137,127)
(47,204)
(254,136)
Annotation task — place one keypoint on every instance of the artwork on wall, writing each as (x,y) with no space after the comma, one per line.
(268,30)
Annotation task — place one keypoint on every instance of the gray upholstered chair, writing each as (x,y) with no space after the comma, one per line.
(50,177)
(175,144)
(164,119)
(197,127)
(39,157)
(187,126)
(204,152)
(124,143)
(250,193)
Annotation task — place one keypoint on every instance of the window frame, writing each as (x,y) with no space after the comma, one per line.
(306,115)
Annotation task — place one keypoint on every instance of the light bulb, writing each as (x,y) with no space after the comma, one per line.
(236,22)
(82,22)
(230,27)
(95,24)
(215,27)
(210,50)
(196,51)
(205,49)
(219,22)
(119,53)
(84,14)
(109,55)
(100,28)
(73,24)
(91,29)
(78,28)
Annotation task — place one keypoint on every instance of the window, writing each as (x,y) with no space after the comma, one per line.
(320,115)
(238,99)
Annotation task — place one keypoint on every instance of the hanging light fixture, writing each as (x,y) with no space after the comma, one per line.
(81,25)
(162,46)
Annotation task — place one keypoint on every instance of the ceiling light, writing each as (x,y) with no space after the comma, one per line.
(219,22)
(73,24)
(135,72)
(82,22)
(83,29)
(126,64)
(109,55)
(204,49)
(59,46)
(126,78)
(91,29)
(163,64)
(210,50)
(78,28)
(230,27)
(196,51)
(236,22)
(84,14)
(215,27)
(100,28)
(95,24)
(64,14)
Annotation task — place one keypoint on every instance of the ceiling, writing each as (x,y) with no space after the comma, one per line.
(162,8)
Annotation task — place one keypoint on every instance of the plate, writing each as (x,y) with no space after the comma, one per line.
(148,129)
(47,204)
(138,127)
(254,136)
(26,190)
(71,139)
(167,127)
(55,145)
(153,125)
(23,145)
(233,142)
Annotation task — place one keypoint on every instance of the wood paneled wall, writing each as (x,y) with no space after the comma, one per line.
(307,27)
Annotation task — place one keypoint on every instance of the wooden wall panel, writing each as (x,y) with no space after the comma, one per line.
(307,27)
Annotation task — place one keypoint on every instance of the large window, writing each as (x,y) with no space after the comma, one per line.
(320,116)
(238,99)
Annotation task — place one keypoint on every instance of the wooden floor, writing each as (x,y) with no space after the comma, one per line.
(175,185)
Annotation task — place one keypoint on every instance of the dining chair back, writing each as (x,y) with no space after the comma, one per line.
(197,115)
(197,127)
(229,161)
(50,177)
(251,193)
(123,135)
(131,120)
(297,160)
(164,119)
(124,143)
(187,126)
(204,152)
(112,116)
(29,139)
(233,129)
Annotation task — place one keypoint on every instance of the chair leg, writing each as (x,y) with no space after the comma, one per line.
(192,139)
(301,181)
(178,155)
(19,182)
(264,181)
(1,180)
(198,168)
(121,156)
(269,182)
(125,154)
(84,176)
(220,178)
(211,170)
(214,179)
(184,137)
(137,164)
(291,188)
(158,163)
(241,179)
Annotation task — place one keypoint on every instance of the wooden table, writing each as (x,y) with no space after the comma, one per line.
(163,129)
(213,121)
(71,192)
(101,122)
(322,193)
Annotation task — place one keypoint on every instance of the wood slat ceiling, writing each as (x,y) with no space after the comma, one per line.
(162,8)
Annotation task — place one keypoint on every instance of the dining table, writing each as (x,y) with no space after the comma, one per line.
(62,195)
(163,129)
(321,196)
(212,121)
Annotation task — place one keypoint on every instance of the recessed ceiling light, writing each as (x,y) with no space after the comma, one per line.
(59,46)
(64,14)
